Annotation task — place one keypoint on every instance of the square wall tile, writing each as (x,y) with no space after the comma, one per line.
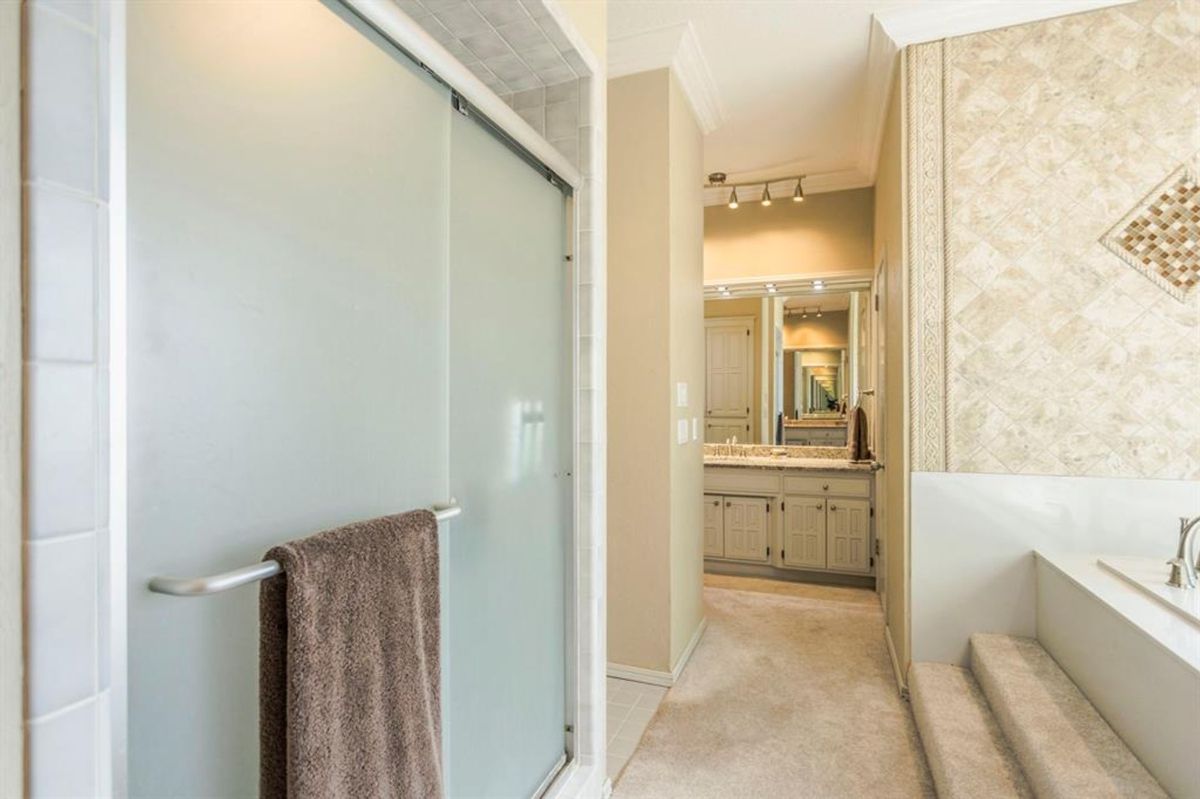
(62,449)
(62,622)
(62,276)
(61,95)
(62,755)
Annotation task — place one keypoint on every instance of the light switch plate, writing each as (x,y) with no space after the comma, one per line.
(683,431)
(695,429)
(681,399)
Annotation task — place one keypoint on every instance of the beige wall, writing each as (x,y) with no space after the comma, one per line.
(687,365)
(655,313)
(590,18)
(751,308)
(892,489)
(1062,359)
(826,233)
(11,516)
(832,329)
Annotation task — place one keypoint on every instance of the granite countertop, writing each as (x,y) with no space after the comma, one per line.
(814,423)
(795,464)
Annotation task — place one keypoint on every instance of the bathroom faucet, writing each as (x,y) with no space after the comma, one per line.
(1183,566)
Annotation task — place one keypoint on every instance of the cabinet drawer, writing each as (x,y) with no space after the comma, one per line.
(833,486)
(741,481)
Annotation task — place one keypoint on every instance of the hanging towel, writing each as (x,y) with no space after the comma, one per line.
(857,435)
(349,672)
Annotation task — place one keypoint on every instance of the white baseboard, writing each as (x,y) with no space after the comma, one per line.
(654,676)
(901,682)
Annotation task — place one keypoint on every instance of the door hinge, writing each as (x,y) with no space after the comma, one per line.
(768,506)
(783,554)
(876,546)
(768,552)
(783,505)
(459,104)
(568,728)
(877,302)
(872,563)
(567,258)
(872,511)
(747,331)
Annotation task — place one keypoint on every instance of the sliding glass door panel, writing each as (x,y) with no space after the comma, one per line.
(510,460)
(288,207)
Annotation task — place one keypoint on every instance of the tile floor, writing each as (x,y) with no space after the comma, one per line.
(631,705)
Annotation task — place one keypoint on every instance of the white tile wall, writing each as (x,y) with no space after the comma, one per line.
(67,646)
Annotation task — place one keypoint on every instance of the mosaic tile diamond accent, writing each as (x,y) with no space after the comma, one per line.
(1161,236)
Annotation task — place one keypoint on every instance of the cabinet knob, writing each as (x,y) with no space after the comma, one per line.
(716,503)
(825,487)
(729,504)
(821,507)
(833,507)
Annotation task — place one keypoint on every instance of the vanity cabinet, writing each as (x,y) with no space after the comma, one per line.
(736,528)
(789,519)
(714,526)
(804,532)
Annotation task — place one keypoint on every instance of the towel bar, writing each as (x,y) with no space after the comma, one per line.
(203,586)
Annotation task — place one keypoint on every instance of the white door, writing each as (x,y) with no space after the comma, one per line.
(746,528)
(720,431)
(804,532)
(714,527)
(849,524)
(728,376)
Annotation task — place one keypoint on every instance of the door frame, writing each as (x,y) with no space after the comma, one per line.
(875,423)
(746,322)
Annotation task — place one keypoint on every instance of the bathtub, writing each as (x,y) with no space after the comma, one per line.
(1133,649)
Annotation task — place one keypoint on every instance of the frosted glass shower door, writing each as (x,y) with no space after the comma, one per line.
(288,202)
(510,462)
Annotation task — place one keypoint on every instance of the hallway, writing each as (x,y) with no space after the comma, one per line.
(790,693)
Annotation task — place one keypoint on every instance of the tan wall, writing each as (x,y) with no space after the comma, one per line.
(1062,358)
(752,308)
(827,233)
(892,493)
(639,394)
(687,365)
(831,330)
(656,338)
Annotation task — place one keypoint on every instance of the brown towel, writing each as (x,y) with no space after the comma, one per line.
(349,673)
(857,435)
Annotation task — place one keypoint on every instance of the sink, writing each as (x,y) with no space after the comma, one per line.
(1149,575)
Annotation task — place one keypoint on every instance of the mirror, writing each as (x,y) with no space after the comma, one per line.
(783,369)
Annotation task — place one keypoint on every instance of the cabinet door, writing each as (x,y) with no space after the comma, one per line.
(849,522)
(804,532)
(746,528)
(714,526)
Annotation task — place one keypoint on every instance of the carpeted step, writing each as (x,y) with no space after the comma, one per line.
(968,755)
(1065,748)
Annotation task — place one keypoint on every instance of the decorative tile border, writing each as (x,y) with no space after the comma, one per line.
(927,257)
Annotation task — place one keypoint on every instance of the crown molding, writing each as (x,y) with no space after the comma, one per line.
(677,48)
(781,190)
(930,22)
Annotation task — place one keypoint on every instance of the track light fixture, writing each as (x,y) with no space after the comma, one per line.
(718,180)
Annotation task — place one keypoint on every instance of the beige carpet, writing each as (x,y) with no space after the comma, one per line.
(789,694)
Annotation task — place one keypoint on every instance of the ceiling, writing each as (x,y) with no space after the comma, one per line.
(786,87)
(790,76)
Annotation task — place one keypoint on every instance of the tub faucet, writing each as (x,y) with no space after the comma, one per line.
(1183,566)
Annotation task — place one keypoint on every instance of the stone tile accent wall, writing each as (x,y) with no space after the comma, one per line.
(66,366)
(1058,358)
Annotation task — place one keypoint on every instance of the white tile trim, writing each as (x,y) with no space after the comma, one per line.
(12,683)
